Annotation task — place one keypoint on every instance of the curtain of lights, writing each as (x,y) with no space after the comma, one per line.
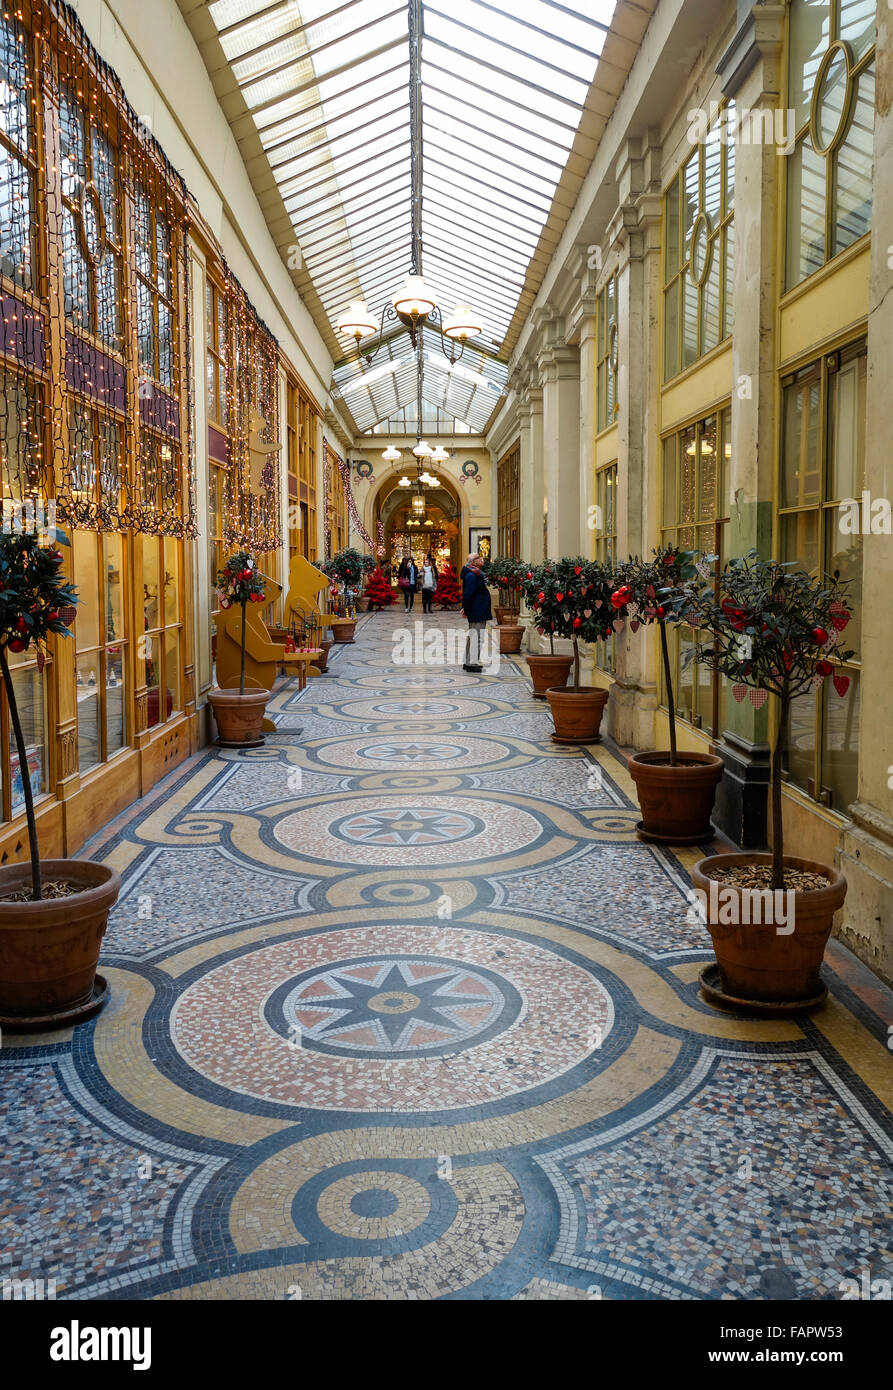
(251,511)
(94,398)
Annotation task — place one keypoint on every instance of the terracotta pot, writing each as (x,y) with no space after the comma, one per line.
(239,717)
(757,960)
(325,645)
(506,615)
(344,630)
(577,713)
(548,672)
(49,949)
(510,635)
(676,802)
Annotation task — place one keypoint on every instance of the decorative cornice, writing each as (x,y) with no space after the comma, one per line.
(760,36)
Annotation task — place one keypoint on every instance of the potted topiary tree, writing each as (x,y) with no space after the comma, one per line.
(239,713)
(507,574)
(774,631)
(346,569)
(676,790)
(53,912)
(575,602)
(547,669)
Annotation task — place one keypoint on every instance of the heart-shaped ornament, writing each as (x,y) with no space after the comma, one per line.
(839,615)
(815,681)
(739,691)
(833,639)
(599,602)
(635,625)
(587,612)
(758,698)
(632,609)
(618,624)
(841,683)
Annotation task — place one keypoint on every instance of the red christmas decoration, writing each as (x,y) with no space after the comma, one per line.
(448,593)
(378,589)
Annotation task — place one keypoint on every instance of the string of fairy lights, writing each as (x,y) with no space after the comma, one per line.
(96,411)
(251,494)
(343,468)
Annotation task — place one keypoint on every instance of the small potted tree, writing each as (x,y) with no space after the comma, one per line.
(448,593)
(379,593)
(774,631)
(239,713)
(547,669)
(676,790)
(506,573)
(346,569)
(53,912)
(575,602)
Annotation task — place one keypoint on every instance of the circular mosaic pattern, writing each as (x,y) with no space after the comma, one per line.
(393,1007)
(418,683)
(421,751)
(373,1205)
(405,1018)
(397,831)
(422,706)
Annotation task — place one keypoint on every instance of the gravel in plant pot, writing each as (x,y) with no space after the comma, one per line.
(776,633)
(676,790)
(240,713)
(53,913)
(574,602)
(547,669)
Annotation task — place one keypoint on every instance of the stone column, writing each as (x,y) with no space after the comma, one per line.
(866,919)
(751,71)
(634,252)
(559,365)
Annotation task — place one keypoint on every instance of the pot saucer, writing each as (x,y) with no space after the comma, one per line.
(577,742)
(62,1018)
(243,743)
(711,983)
(704,839)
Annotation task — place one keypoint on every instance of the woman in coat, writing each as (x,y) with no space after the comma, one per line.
(409,573)
(428,581)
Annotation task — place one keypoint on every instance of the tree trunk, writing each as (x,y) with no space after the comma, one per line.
(668,677)
(576,663)
(777,759)
(242,666)
(552,646)
(36,885)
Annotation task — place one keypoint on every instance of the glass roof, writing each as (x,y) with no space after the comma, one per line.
(503,88)
(388,389)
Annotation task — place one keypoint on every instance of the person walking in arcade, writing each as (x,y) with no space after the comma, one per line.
(429,581)
(477,609)
(408,581)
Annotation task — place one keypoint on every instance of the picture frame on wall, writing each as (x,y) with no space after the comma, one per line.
(479,542)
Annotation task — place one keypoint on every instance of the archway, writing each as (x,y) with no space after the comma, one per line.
(439,528)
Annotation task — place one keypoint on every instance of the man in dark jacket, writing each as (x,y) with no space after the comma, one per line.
(477,609)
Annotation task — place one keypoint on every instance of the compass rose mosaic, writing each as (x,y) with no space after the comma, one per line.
(394,1008)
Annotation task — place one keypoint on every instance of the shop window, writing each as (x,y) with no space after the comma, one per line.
(699,249)
(508,490)
(822,465)
(17,155)
(91,231)
(606,544)
(831,76)
(100,644)
(154,291)
(606,377)
(21,444)
(215,325)
(694,514)
(160,645)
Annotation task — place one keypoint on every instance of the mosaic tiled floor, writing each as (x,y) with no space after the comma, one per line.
(402,1009)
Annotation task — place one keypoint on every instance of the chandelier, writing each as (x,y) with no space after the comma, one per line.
(413,304)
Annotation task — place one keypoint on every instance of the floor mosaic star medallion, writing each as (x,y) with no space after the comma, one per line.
(391,1007)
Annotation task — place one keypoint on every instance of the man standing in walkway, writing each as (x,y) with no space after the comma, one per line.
(477,609)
